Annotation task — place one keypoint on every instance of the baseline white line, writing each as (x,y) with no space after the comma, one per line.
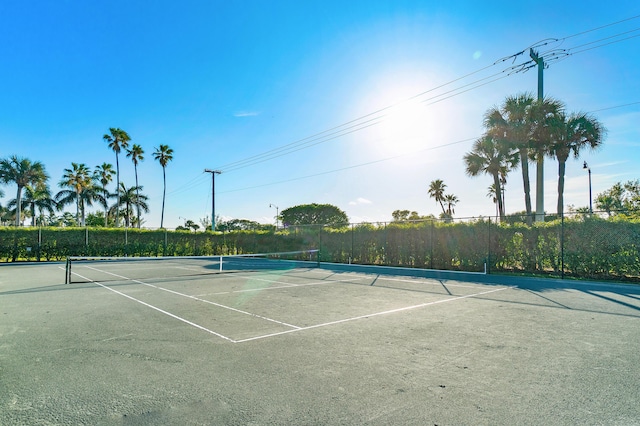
(197,298)
(193,324)
(375,314)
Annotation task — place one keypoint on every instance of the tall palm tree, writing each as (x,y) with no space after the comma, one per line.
(163,154)
(543,114)
(495,159)
(451,201)
(130,198)
(571,135)
(39,197)
(22,172)
(118,139)
(436,191)
(104,174)
(81,189)
(510,125)
(136,153)
(493,194)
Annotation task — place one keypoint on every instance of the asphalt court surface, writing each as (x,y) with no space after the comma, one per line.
(240,306)
(315,346)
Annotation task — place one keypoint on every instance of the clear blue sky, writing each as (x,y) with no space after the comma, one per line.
(222,82)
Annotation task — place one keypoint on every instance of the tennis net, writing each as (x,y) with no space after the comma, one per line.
(109,268)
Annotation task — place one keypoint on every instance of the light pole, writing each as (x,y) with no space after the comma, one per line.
(277,213)
(213,196)
(586,166)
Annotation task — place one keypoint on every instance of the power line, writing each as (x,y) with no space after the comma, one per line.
(369,163)
(349,167)
(379,115)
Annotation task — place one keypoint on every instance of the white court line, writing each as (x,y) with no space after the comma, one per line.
(160,310)
(197,298)
(374,314)
(420,280)
(286,285)
(296,328)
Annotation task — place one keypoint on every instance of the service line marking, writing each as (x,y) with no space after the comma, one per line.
(391,311)
(191,323)
(198,299)
(293,327)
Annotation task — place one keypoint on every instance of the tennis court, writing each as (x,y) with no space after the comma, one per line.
(302,343)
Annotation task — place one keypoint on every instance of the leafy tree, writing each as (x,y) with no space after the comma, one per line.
(189,225)
(136,153)
(81,190)
(404,215)
(495,159)
(130,198)
(163,155)
(620,199)
(97,219)
(117,139)
(104,175)
(22,172)
(571,134)
(436,191)
(241,225)
(314,214)
(205,222)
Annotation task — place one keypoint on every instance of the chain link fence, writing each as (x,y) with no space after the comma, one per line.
(593,246)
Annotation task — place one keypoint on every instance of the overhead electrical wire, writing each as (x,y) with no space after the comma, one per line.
(379,115)
(385,159)
(353,125)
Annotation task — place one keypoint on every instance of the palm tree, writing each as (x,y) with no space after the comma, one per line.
(104,175)
(39,196)
(436,191)
(163,154)
(571,135)
(493,194)
(543,114)
(136,153)
(130,198)
(510,125)
(82,191)
(495,159)
(118,139)
(22,172)
(451,201)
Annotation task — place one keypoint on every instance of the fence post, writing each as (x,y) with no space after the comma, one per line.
(488,269)
(431,245)
(562,246)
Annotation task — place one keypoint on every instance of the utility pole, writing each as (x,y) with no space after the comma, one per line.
(277,213)
(213,196)
(540,161)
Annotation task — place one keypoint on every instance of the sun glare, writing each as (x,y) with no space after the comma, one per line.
(404,128)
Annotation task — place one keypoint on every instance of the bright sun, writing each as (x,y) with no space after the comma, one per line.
(404,128)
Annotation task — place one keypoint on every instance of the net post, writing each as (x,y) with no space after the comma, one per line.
(220,263)
(67,272)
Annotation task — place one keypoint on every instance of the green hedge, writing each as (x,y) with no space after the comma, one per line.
(587,247)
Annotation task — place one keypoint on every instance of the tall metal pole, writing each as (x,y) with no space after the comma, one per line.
(540,161)
(213,196)
(586,166)
(277,214)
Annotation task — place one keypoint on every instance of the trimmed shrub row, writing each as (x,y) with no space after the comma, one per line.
(587,247)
